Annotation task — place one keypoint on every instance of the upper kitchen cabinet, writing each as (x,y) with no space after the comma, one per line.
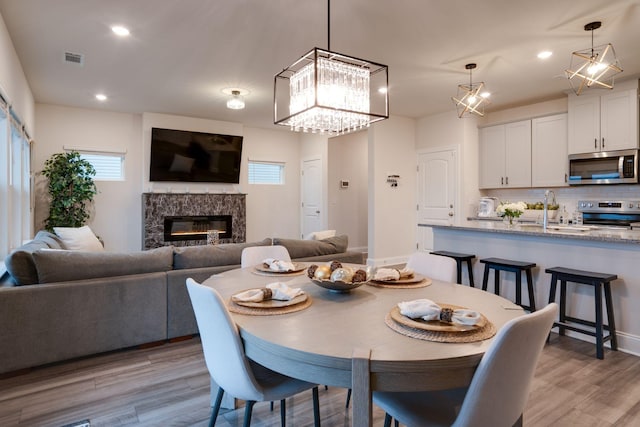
(603,123)
(505,155)
(549,151)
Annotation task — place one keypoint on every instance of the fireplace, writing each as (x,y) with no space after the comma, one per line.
(178,228)
(205,210)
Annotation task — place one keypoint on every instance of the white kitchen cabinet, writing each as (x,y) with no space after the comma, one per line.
(505,155)
(549,151)
(603,123)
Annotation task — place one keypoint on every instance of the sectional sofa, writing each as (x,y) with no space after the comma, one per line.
(61,304)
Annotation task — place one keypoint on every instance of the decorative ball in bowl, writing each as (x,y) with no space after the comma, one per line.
(336,277)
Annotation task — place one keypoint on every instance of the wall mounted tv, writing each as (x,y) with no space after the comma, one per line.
(185,156)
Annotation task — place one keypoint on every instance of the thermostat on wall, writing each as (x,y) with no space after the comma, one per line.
(344,183)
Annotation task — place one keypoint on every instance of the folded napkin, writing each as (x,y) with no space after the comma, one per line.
(278,265)
(278,291)
(429,310)
(392,274)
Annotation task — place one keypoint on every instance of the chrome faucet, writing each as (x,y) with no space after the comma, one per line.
(545,214)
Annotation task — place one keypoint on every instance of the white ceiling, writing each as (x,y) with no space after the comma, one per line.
(181,54)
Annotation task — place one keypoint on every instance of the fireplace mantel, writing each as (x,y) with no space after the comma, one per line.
(155,206)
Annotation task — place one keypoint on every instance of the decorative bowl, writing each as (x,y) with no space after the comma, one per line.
(337,286)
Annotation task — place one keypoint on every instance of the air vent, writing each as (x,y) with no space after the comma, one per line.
(74,58)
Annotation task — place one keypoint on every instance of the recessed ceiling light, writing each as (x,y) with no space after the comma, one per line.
(382,90)
(120,30)
(101,97)
(545,54)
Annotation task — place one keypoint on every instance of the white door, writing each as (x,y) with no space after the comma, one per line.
(437,183)
(311,196)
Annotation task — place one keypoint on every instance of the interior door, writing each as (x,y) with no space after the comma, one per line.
(437,183)
(311,196)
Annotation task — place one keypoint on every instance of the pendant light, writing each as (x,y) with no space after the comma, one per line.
(471,98)
(331,93)
(593,67)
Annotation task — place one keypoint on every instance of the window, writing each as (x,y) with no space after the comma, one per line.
(108,166)
(266,173)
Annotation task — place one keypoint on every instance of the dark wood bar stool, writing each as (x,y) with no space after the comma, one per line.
(460,258)
(598,281)
(517,267)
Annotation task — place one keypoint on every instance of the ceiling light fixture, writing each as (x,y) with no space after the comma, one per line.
(545,54)
(328,92)
(471,99)
(120,30)
(236,102)
(594,66)
(101,97)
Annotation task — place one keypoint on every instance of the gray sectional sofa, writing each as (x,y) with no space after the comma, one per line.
(59,304)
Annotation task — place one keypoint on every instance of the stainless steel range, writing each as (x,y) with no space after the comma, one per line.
(620,213)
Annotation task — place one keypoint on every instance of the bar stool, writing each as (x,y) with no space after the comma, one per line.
(460,258)
(598,281)
(517,267)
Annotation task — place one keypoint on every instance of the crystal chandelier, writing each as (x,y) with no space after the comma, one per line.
(595,66)
(471,98)
(327,92)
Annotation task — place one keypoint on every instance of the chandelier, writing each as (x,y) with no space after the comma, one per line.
(595,66)
(332,93)
(471,98)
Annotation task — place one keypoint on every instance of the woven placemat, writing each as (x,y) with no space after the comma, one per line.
(481,334)
(232,306)
(422,284)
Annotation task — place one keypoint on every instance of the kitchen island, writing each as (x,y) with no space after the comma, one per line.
(605,250)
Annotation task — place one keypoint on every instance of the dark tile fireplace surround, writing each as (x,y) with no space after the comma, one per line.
(183,219)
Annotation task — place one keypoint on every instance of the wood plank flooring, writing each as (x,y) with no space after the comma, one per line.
(169,386)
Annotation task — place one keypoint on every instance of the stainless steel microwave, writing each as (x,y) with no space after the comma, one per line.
(605,167)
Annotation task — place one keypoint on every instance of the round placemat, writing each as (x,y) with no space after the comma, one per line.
(235,308)
(481,334)
(422,284)
(277,274)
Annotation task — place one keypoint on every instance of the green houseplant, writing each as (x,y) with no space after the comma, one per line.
(71,189)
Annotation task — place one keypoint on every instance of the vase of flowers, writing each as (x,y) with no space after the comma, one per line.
(510,212)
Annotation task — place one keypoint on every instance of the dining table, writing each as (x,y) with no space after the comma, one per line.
(346,339)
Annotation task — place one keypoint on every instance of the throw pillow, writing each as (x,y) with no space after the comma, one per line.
(79,239)
(320,235)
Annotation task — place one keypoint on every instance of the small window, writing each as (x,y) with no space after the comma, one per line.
(108,166)
(266,173)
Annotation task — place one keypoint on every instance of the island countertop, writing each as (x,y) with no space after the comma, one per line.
(554,230)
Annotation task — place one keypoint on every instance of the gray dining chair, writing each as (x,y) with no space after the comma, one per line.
(433,266)
(498,391)
(254,255)
(230,368)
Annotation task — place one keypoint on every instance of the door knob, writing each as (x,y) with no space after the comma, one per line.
(317,211)
(450,213)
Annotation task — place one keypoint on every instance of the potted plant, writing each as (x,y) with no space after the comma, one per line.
(71,189)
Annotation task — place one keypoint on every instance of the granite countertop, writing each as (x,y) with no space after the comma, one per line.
(554,230)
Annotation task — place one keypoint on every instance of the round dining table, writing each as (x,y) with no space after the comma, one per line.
(342,340)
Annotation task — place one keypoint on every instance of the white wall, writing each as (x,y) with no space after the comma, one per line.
(348,208)
(392,210)
(117,215)
(13,83)
(271,210)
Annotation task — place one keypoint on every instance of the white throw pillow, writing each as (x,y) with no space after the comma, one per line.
(79,239)
(320,235)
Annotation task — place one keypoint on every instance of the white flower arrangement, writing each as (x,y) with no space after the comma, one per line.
(511,209)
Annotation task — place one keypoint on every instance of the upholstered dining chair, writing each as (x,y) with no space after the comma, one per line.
(230,368)
(433,266)
(498,391)
(254,255)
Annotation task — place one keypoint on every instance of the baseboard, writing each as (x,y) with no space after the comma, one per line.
(627,343)
(380,262)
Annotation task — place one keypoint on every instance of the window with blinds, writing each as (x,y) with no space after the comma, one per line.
(266,173)
(108,166)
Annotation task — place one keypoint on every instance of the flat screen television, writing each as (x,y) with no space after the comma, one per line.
(186,156)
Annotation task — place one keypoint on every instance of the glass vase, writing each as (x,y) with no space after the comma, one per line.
(510,221)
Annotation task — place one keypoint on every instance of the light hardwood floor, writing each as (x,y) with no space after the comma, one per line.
(169,386)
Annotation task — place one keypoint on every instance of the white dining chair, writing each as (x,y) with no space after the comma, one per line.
(498,391)
(433,266)
(254,255)
(230,368)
